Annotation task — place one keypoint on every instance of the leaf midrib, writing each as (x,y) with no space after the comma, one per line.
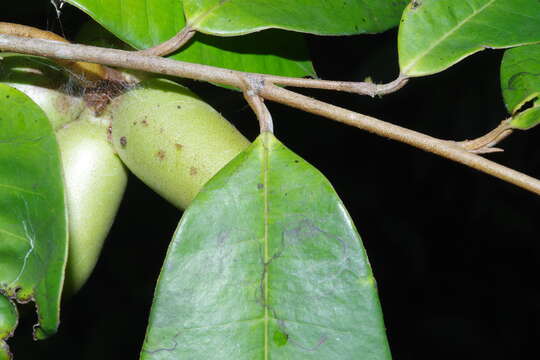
(453,30)
(266,252)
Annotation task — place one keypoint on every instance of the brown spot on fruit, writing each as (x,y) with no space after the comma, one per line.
(145,122)
(123,141)
(193,171)
(178,146)
(160,154)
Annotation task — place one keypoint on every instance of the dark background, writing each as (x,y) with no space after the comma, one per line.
(455,252)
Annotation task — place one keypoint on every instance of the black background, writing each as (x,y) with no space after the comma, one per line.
(455,252)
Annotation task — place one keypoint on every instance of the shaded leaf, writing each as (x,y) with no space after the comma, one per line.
(270,52)
(527,119)
(330,17)
(140,23)
(520,76)
(435,34)
(142,26)
(266,264)
(33,220)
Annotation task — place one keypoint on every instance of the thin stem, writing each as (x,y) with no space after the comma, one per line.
(360,88)
(252,89)
(171,45)
(237,79)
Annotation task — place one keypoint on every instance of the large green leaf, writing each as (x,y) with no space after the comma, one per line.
(435,34)
(145,23)
(328,17)
(266,264)
(33,219)
(520,76)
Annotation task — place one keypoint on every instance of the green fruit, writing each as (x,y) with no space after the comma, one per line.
(172,140)
(95,181)
(8,323)
(95,178)
(46,84)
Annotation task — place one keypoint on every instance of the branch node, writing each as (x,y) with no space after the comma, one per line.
(486,143)
(253,85)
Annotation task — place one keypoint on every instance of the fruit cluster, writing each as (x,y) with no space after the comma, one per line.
(167,136)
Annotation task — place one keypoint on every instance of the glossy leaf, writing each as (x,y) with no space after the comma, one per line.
(435,34)
(527,119)
(329,17)
(520,76)
(33,220)
(266,264)
(146,23)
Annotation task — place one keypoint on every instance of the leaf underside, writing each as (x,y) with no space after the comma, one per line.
(141,26)
(435,34)
(33,220)
(266,264)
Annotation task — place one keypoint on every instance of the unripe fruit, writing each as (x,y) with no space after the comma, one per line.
(172,140)
(95,180)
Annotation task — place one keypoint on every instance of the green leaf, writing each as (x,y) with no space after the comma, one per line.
(142,26)
(140,23)
(520,76)
(270,52)
(527,119)
(266,264)
(329,17)
(33,219)
(436,34)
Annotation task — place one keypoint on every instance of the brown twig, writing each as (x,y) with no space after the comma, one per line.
(171,45)
(447,149)
(84,70)
(233,78)
(360,88)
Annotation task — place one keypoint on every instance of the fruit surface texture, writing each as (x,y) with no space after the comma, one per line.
(171,139)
